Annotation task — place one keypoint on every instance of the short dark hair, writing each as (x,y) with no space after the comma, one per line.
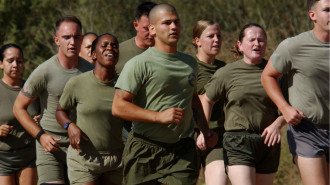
(97,40)
(69,18)
(143,9)
(6,46)
(310,3)
(90,33)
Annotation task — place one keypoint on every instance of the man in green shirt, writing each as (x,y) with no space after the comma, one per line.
(47,81)
(305,58)
(156,90)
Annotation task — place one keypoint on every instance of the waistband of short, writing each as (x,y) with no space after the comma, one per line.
(318,126)
(158,143)
(242,132)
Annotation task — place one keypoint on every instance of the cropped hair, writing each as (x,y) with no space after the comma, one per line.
(69,18)
(310,3)
(6,46)
(199,27)
(143,9)
(241,35)
(97,40)
(90,33)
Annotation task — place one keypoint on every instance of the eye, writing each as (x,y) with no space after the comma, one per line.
(66,37)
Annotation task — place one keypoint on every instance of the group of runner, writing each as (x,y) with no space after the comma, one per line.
(134,112)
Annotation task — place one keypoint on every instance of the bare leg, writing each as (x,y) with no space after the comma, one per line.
(214,173)
(265,179)
(8,180)
(27,176)
(242,175)
(313,171)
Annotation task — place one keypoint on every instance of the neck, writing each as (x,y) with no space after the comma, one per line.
(209,59)
(68,63)
(322,35)
(252,62)
(166,48)
(104,74)
(140,44)
(12,82)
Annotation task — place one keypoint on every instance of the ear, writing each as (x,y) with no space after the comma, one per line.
(1,65)
(57,41)
(152,30)
(135,24)
(197,41)
(312,15)
(239,44)
(93,55)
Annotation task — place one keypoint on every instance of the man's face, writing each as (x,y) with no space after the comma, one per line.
(142,31)
(68,38)
(320,14)
(86,46)
(167,28)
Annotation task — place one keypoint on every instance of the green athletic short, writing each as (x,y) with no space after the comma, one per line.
(51,166)
(210,154)
(246,148)
(12,161)
(150,162)
(84,168)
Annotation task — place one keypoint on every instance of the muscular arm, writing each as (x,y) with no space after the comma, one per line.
(21,104)
(269,78)
(123,107)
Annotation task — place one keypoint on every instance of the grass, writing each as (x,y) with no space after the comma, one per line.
(287,173)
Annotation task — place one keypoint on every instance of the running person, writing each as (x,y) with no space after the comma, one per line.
(251,142)
(47,81)
(305,58)
(207,39)
(17,147)
(156,92)
(94,156)
(86,46)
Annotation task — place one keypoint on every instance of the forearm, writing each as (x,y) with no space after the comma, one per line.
(199,116)
(207,105)
(61,116)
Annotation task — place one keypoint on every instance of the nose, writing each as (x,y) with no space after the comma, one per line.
(72,40)
(15,63)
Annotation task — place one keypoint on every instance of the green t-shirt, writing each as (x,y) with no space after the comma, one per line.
(128,49)
(47,81)
(18,137)
(205,72)
(247,105)
(306,61)
(160,81)
(92,99)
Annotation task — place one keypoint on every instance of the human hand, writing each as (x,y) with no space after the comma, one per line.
(5,129)
(49,143)
(171,115)
(292,115)
(272,134)
(37,119)
(75,135)
(211,138)
(200,142)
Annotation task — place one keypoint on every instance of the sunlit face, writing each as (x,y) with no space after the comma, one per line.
(68,38)
(106,51)
(320,14)
(253,44)
(13,63)
(209,42)
(86,47)
(167,28)
(142,31)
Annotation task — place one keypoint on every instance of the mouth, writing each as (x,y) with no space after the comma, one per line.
(216,46)
(72,49)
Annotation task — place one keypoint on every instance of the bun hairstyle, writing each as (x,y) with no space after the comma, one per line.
(199,27)
(235,49)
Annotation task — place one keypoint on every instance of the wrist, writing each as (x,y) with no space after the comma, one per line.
(40,133)
(67,124)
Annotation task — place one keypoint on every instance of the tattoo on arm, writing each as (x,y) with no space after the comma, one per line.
(120,93)
(26,93)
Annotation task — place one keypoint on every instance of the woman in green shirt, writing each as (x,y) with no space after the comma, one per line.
(207,39)
(252,139)
(17,147)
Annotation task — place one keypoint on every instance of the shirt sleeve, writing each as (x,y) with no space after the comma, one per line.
(36,83)
(281,59)
(68,98)
(215,88)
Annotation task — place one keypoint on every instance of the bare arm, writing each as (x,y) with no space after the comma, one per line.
(272,133)
(20,111)
(74,132)
(269,78)
(207,106)
(123,107)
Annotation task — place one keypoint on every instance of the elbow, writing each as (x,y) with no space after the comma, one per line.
(114,110)
(15,109)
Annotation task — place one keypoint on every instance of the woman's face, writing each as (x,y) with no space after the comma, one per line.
(13,63)
(253,44)
(106,51)
(210,40)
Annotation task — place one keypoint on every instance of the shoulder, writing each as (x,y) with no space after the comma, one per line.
(127,42)
(84,64)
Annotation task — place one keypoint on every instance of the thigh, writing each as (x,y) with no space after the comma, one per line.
(313,171)
(27,176)
(241,174)
(8,179)
(214,173)
(262,179)
(51,166)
